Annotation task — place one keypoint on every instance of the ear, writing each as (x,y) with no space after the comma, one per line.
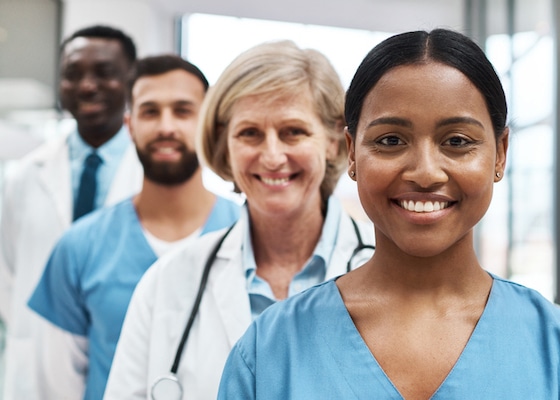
(350,146)
(501,153)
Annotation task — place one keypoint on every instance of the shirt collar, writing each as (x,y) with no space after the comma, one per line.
(113,148)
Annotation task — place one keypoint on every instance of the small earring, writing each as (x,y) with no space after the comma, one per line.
(498,175)
(352,174)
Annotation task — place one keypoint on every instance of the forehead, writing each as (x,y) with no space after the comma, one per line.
(83,49)
(296,102)
(430,90)
(172,86)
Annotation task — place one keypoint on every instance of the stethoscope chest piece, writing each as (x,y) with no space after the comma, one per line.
(167,388)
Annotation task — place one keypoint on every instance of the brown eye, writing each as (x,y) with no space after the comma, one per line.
(457,141)
(248,133)
(296,131)
(390,141)
(71,74)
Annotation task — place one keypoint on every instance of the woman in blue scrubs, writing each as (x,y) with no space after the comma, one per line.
(422,319)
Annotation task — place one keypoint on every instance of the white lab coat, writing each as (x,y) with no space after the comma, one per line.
(37,208)
(162,302)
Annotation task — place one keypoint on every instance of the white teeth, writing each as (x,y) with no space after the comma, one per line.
(424,206)
(166,150)
(274,181)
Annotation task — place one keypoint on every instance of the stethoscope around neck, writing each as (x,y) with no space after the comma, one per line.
(168,387)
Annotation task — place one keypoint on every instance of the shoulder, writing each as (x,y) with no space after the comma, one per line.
(94,225)
(525,302)
(174,278)
(227,203)
(227,207)
(291,325)
(301,311)
(46,152)
(186,260)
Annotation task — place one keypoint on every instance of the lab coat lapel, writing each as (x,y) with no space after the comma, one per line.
(229,286)
(54,176)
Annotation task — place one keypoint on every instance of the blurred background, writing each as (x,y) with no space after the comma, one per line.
(517,239)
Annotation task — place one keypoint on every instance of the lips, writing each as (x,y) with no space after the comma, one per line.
(166,149)
(86,107)
(423,206)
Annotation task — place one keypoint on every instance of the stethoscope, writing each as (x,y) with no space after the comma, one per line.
(168,387)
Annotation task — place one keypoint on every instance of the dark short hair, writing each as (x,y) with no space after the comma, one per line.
(441,45)
(158,65)
(105,32)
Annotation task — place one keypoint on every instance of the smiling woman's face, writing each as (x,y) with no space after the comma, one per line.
(425,158)
(277,149)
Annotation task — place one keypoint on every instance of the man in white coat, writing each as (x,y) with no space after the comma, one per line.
(94,268)
(41,196)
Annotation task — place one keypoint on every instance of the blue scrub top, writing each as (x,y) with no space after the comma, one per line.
(307,347)
(91,274)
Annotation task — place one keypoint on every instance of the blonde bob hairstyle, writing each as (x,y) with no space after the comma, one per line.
(275,69)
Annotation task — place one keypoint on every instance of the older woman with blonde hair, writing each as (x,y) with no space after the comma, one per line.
(273,124)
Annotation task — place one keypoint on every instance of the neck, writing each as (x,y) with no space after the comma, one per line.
(455,270)
(286,242)
(174,212)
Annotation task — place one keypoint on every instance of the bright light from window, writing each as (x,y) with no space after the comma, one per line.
(212,41)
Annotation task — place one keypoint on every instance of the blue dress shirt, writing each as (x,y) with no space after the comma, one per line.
(111,154)
(313,273)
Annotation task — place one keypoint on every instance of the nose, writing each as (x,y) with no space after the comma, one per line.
(273,154)
(167,125)
(426,166)
(88,83)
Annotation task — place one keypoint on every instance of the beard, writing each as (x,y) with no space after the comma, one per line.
(168,173)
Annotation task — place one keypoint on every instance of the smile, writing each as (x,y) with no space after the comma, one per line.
(166,150)
(275,181)
(424,206)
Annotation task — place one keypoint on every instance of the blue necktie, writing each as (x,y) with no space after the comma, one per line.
(88,185)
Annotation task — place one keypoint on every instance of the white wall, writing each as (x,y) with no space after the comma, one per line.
(151,26)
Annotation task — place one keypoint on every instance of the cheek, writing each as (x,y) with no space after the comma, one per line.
(239,158)
(66,90)
(477,178)
(115,86)
(188,128)
(139,134)
(312,154)
(65,86)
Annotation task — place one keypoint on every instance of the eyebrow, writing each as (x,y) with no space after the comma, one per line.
(151,103)
(408,124)
(460,120)
(390,121)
